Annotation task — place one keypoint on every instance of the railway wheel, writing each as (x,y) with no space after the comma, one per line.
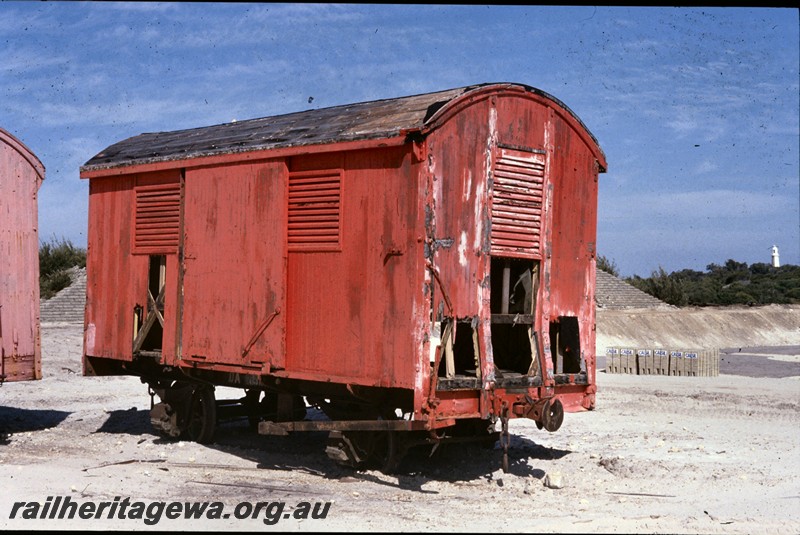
(384,451)
(360,450)
(552,415)
(201,421)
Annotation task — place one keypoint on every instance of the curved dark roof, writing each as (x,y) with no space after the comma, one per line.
(352,122)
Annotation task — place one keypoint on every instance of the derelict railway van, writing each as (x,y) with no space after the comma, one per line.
(421,269)
(21,175)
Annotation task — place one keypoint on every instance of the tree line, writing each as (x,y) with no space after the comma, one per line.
(732,283)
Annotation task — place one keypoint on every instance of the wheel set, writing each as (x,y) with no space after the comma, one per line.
(186,411)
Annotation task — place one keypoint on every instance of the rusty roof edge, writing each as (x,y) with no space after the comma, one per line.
(24,151)
(435,120)
(357,136)
(201,158)
(601,154)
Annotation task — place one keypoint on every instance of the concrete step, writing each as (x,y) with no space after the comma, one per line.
(69,304)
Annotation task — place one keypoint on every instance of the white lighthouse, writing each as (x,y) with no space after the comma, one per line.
(776,259)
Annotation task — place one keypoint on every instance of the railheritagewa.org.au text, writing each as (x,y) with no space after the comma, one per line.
(65,508)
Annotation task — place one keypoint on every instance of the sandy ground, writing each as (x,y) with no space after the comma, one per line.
(659,455)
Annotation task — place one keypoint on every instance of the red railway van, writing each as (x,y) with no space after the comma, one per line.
(21,175)
(420,269)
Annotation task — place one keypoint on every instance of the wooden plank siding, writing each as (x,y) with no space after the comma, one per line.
(21,175)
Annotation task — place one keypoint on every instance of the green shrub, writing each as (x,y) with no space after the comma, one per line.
(56,258)
(607,265)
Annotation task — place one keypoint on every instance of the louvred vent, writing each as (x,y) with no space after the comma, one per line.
(517,203)
(157,218)
(314,210)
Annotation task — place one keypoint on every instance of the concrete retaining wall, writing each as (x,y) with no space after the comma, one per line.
(772,325)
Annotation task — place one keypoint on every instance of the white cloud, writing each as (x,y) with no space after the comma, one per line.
(24,61)
(705,166)
(142,7)
(121,112)
(689,207)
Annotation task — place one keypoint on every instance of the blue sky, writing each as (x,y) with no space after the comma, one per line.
(696,108)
